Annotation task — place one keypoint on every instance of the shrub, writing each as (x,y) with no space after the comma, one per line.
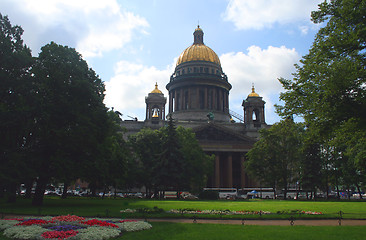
(209,195)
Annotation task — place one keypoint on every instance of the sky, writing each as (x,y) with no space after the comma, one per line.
(133,44)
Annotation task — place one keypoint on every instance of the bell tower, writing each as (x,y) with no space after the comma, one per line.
(155,107)
(254,111)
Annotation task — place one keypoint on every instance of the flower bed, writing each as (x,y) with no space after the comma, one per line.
(68,227)
(228,212)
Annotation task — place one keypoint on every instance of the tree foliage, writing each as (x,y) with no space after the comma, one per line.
(71,118)
(275,158)
(169,159)
(16,105)
(329,90)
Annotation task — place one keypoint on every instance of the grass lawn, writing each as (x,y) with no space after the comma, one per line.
(112,207)
(181,231)
(176,231)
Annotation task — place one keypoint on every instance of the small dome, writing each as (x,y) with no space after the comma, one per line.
(253,93)
(198,51)
(156,90)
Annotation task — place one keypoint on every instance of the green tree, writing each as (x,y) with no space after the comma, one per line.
(16,107)
(143,171)
(197,164)
(328,88)
(311,166)
(72,119)
(171,160)
(275,158)
(168,159)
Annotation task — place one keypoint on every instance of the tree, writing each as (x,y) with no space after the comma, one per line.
(274,159)
(311,165)
(143,171)
(171,160)
(72,119)
(328,89)
(197,164)
(16,106)
(168,159)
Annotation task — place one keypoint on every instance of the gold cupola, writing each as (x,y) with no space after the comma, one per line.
(198,51)
(156,90)
(253,93)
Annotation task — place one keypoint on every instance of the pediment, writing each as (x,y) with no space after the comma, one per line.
(212,132)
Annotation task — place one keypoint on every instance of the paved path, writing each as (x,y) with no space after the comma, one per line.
(331,222)
(325,222)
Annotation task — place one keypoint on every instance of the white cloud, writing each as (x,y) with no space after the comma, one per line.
(261,67)
(132,82)
(91,26)
(259,14)
(304,30)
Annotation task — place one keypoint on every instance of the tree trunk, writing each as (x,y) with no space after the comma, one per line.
(28,189)
(39,194)
(338,195)
(359,190)
(11,193)
(64,190)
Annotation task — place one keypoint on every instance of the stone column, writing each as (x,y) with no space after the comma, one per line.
(229,168)
(242,171)
(217,171)
(214,98)
(175,100)
(170,102)
(206,99)
(181,107)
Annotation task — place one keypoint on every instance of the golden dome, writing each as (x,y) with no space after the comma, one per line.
(198,51)
(253,93)
(156,90)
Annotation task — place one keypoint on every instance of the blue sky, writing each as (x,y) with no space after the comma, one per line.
(132,44)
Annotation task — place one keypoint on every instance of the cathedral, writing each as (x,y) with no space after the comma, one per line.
(199,99)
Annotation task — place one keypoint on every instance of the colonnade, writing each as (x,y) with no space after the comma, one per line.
(198,97)
(229,170)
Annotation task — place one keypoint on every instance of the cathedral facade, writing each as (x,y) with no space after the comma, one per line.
(199,99)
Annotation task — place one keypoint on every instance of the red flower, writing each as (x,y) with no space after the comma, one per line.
(99,223)
(33,222)
(68,218)
(59,234)
(18,219)
(127,220)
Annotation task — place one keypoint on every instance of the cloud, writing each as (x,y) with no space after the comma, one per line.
(261,67)
(131,83)
(259,14)
(91,26)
